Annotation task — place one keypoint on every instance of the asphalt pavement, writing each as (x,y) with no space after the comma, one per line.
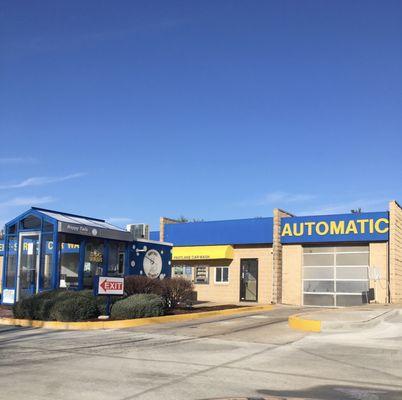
(254,355)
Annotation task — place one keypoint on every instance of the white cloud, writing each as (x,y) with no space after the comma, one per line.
(284,197)
(41,180)
(346,207)
(277,199)
(16,160)
(26,201)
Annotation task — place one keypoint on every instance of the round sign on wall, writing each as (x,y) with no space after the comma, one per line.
(152,264)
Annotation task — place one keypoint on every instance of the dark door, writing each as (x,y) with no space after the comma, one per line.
(249,279)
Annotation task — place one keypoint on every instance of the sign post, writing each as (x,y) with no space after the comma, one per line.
(109,286)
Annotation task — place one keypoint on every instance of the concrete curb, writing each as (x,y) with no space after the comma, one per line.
(297,322)
(344,326)
(302,324)
(130,323)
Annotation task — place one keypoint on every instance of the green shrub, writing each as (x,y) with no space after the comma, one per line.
(138,306)
(136,284)
(23,309)
(77,308)
(47,306)
(176,291)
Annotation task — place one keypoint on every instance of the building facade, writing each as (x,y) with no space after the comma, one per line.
(44,250)
(328,260)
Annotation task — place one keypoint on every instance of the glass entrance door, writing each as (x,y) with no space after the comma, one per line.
(28,265)
(249,280)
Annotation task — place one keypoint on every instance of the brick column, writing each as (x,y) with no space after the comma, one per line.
(395,252)
(277,255)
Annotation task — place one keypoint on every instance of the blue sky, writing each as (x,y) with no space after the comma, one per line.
(130,110)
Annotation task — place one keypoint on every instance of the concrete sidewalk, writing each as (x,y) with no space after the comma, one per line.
(345,319)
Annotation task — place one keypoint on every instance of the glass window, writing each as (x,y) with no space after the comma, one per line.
(351,286)
(352,259)
(116,259)
(46,272)
(318,273)
(12,229)
(324,300)
(352,273)
(1,270)
(183,271)
(318,286)
(31,222)
(309,250)
(318,259)
(93,265)
(201,274)
(352,249)
(221,274)
(349,300)
(12,259)
(47,227)
(113,262)
(69,264)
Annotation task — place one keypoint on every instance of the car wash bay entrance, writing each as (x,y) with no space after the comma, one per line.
(46,250)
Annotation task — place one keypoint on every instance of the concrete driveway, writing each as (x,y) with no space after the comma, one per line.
(239,356)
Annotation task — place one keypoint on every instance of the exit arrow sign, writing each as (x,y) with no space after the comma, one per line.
(110,286)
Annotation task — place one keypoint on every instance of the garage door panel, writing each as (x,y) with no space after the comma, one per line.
(335,275)
(323,300)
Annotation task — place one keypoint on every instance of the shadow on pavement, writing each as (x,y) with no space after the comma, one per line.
(330,392)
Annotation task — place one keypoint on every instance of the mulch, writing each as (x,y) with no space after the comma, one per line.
(6,312)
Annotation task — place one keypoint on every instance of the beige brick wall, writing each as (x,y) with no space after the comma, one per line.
(395,251)
(292,262)
(230,292)
(379,260)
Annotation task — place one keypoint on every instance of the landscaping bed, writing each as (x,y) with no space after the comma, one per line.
(144,297)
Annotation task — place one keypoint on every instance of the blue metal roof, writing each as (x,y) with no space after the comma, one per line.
(236,231)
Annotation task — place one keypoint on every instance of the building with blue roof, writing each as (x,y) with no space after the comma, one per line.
(46,249)
(321,260)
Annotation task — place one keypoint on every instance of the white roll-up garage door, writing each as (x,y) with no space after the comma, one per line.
(335,276)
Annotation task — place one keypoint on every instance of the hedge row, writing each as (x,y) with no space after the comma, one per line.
(60,305)
(144,297)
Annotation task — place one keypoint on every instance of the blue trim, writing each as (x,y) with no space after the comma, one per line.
(105,263)
(83,245)
(236,231)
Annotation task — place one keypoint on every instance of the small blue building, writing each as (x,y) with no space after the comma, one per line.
(45,249)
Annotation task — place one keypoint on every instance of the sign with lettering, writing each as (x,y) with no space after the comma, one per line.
(362,227)
(91,231)
(110,286)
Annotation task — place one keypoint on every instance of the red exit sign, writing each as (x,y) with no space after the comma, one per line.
(109,285)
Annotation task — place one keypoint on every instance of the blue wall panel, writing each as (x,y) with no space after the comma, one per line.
(137,254)
(362,227)
(237,231)
(154,235)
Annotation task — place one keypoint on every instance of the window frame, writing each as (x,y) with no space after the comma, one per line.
(221,282)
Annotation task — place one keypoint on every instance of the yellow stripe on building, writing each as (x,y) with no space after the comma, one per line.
(202,253)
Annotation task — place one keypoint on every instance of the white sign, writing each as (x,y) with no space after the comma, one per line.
(30,249)
(109,285)
(8,296)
